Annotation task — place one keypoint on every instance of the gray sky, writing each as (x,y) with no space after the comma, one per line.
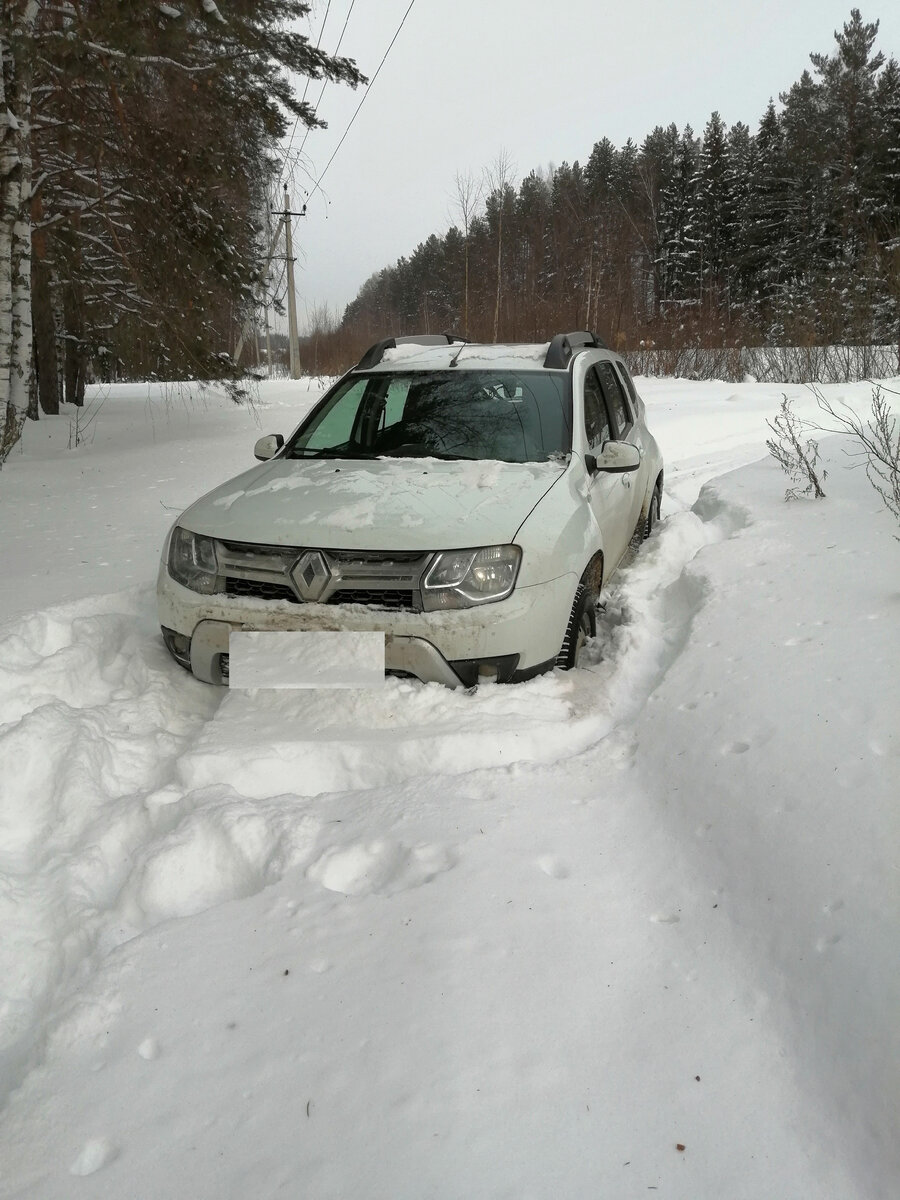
(543,81)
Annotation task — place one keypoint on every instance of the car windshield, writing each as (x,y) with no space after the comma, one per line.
(513,416)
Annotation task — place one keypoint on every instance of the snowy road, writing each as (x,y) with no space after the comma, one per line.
(627,929)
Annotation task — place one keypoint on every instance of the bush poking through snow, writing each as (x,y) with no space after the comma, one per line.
(795,453)
(878,441)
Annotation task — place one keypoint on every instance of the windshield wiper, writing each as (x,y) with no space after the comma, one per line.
(327,452)
(417,450)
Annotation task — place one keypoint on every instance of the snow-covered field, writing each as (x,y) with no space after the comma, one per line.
(628,931)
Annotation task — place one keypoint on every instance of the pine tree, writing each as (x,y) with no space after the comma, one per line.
(737,190)
(764,264)
(713,213)
(847,80)
(656,172)
(681,225)
(884,211)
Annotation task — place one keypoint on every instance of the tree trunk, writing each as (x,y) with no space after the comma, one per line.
(16,366)
(499,256)
(76,359)
(466,291)
(48,381)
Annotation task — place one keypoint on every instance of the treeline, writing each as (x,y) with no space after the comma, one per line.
(789,235)
(138,147)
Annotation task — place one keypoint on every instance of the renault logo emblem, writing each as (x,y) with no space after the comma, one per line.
(311,575)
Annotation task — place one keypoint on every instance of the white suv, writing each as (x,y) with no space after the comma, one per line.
(468,500)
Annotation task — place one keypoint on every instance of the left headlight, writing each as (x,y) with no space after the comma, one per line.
(192,561)
(464,578)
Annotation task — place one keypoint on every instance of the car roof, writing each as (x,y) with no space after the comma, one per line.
(464,356)
(441,351)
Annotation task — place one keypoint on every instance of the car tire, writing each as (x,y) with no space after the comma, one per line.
(648,521)
(582,625)
(653,509)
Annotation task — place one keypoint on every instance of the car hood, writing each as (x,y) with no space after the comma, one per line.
(382,504)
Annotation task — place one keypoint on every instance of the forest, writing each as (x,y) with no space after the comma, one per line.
(783,235)
(141,157)
(138,160)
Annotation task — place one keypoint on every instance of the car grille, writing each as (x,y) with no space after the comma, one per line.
(256,589)
(386,598)
(388,579)
(396,598)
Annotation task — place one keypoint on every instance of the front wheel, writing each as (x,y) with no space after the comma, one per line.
(582,625)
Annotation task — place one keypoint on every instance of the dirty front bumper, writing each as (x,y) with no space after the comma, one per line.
(512,639)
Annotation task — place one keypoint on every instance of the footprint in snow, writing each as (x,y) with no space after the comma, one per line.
(825,943)
(553,866)
(95,1153)
(736,748)
(381,866)
(149,1049)
(665,918)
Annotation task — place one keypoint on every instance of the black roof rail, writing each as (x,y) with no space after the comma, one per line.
(375,354)
(564,345)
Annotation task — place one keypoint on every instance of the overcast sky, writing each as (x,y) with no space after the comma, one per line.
(544,81)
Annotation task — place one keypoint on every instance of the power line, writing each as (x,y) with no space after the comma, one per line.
(362,101)
(306,88)
(325,81)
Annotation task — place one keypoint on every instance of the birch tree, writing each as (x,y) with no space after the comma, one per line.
(16,35)
(498,180)
(466,201)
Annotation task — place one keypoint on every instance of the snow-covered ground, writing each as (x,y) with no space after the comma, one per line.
(628,931)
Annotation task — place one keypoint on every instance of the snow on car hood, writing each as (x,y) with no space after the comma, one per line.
(385,504)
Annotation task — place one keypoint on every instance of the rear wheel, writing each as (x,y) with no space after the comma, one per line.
(582,625)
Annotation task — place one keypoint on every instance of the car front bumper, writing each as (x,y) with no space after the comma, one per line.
(512,638)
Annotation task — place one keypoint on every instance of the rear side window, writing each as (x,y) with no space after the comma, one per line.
(596,418)
(629,383)
(615,398)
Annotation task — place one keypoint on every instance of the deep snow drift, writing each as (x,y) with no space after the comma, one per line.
(627,930)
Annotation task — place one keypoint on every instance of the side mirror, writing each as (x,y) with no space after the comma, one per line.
(618,457)
(267,447)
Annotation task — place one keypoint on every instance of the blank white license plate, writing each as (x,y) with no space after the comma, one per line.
(321,659)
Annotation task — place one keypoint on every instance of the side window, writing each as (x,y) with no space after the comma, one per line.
(615,398)
(394,402)
(596,418)
(334,426)
(629,383)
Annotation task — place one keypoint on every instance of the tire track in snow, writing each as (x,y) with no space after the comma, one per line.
(646,616)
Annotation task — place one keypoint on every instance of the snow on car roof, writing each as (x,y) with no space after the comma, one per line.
(472,355)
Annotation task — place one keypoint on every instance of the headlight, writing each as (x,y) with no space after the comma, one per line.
(192,561)
(463,578)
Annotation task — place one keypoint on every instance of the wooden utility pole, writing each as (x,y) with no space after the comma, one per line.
(268,338)
(291,294)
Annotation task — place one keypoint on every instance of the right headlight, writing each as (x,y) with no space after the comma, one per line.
(464,578)
(192,561)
